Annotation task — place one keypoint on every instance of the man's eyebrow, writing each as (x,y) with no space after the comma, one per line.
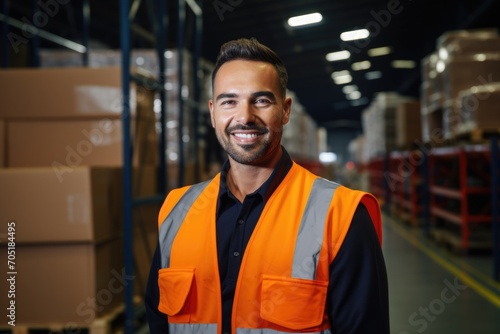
(264,93)
(225,96)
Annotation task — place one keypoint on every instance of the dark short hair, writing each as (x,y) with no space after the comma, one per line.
(251,49)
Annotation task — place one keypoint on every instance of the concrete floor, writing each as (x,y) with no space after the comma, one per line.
(431,290)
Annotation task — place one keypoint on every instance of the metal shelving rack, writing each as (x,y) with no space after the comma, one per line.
(160,23)
(460,163)
(377,169)
(405,184)
(453,194)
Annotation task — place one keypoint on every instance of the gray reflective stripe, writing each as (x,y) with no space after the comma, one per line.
(172,223)
(192,328)
(310,237)
(272,331)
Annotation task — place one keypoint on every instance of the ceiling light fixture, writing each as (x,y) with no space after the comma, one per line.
(362,65)
(373,75)
(349,89)
(327,157)
(354,35)
(353,96)
(339,55)
(360,102)
(403,64)
(342,79)
(381,51)
(340,74)
(302,20)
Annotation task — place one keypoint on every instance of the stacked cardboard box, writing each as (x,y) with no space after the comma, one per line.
(74,115)
(301,136)
(478,107)
(63,188)
(67,235)
(379,124)
(146,61)
(2,143)
(462,59)
(408,124)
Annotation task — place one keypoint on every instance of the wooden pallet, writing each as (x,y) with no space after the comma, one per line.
(453,242)
(477,135)
(414,222)
(102,325)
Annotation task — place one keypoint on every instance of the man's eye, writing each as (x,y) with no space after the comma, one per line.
(227,102)
(262,101)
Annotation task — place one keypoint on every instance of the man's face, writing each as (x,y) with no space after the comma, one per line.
(248,111)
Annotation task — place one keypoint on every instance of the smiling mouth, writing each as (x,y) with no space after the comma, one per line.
(246,135)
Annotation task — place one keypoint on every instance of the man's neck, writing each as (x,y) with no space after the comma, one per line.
(243,180)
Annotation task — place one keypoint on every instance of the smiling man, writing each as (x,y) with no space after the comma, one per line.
(265,246)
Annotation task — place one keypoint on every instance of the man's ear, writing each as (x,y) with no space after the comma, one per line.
(211,107)
(287,108)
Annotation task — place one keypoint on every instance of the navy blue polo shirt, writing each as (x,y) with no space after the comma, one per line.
(235,224)
(358,280)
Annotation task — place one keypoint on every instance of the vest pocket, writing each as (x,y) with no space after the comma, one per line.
(293,303)
(174,285)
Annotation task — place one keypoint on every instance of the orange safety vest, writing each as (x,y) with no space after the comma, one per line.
(283,280)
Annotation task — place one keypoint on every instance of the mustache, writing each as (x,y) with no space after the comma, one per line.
(252,127)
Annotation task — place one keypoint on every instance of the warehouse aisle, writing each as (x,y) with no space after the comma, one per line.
(433,291)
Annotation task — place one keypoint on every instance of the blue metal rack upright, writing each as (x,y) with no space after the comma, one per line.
(127,166)
(494,206)
(160,26)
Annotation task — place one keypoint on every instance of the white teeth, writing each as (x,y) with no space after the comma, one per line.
(246,135)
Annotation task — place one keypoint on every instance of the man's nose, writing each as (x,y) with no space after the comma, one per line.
(245,113)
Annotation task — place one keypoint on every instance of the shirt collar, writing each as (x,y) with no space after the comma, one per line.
(268,187)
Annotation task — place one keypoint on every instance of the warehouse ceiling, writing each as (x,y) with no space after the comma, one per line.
(409,27)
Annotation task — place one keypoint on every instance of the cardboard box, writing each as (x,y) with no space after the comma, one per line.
(432,126)
(464,72)
(408,124)
(82,204)
(61,92)
(66,144)
(144,248)
(478,108)
(3,143)
(144,185)
(452,36)
(65,284)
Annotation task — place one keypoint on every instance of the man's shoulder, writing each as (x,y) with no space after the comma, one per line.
(195,187)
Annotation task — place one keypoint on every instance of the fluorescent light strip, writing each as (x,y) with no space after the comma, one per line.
(373,75)
(354,95)
(354,35)
(342,79)
(349,89)
(403,64)
(327,157)
(360,102)
(381,51)
(339,55)
(362,65)
(340,74)
(302,20)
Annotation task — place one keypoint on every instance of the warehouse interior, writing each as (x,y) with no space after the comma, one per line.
(103,110)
